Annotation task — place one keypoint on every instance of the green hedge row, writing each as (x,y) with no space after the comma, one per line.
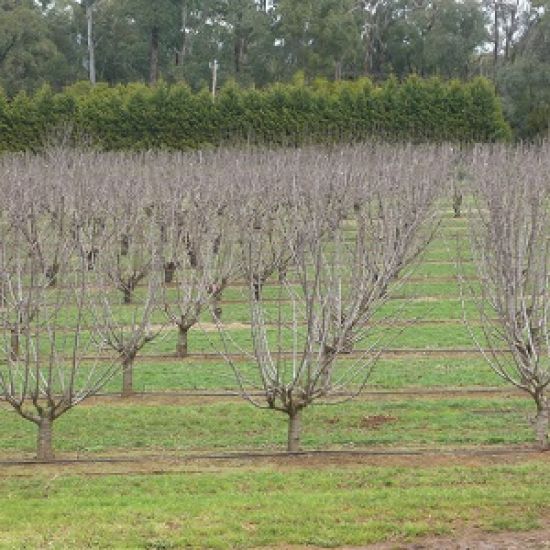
(137,117)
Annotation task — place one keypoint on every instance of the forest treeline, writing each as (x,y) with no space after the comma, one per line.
(142,117)
(257,43)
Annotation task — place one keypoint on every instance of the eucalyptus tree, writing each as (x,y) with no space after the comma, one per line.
(27,51)
(511,247)
(431,37)
(90,7)
(159,24)
(343,276)
(246,26)
(336,35)
(524,81)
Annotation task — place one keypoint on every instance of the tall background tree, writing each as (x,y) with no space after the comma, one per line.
(257,43)
(60,41)
(29,55)
(524,81)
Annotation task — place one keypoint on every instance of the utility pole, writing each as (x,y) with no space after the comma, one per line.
(214,65)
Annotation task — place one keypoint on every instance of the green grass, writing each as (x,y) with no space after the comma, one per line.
(389,373)
(421,336)
(270,507)
(111,427)
(452,333)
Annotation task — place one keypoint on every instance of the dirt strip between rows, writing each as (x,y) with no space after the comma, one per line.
(169,463)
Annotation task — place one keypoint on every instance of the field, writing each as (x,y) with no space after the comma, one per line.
(436,446)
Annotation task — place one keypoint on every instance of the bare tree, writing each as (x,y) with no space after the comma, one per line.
(53,368)
(511,246)
(343,276)
(127,261)
(199,243)
(458,179)
(127,332)
(265,242)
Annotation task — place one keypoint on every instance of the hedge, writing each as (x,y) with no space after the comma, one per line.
(138,117)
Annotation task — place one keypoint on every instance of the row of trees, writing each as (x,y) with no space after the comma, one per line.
(101,254)
(258,42)
(524,79)
(510,235)
(138,117)
(254,41)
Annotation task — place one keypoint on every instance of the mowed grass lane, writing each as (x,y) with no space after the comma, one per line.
(135,427)
(273,506)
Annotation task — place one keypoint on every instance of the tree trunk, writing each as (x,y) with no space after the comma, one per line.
(91,46)
(192,255)
(542,424)
(183,47)
(348,343)
(51,274)
(239,48)
(294,425)
(127,294)
(257,285)
(217,306)
(14,343)
(326,373)
(216,244)
(457,204)
(128,377)
(91,258)
(169,272)
(495,50)
(181,348)
(124,245)
(338,70)
(154,56)
(44,445)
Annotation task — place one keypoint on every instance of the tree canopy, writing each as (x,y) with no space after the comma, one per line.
(256,43)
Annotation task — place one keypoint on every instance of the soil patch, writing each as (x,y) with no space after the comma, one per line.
(376,421)
(476,540)
(127,463)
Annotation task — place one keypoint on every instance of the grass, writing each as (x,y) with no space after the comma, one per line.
(260,507)
(389,373)
(405,334)
(429,336)
(108,427)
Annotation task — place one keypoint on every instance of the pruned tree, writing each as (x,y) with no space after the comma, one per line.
(458,181)
(128,259)
(343,278)
(510,238)
(127,331)
(200,242)
(265,242)
(58,362)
